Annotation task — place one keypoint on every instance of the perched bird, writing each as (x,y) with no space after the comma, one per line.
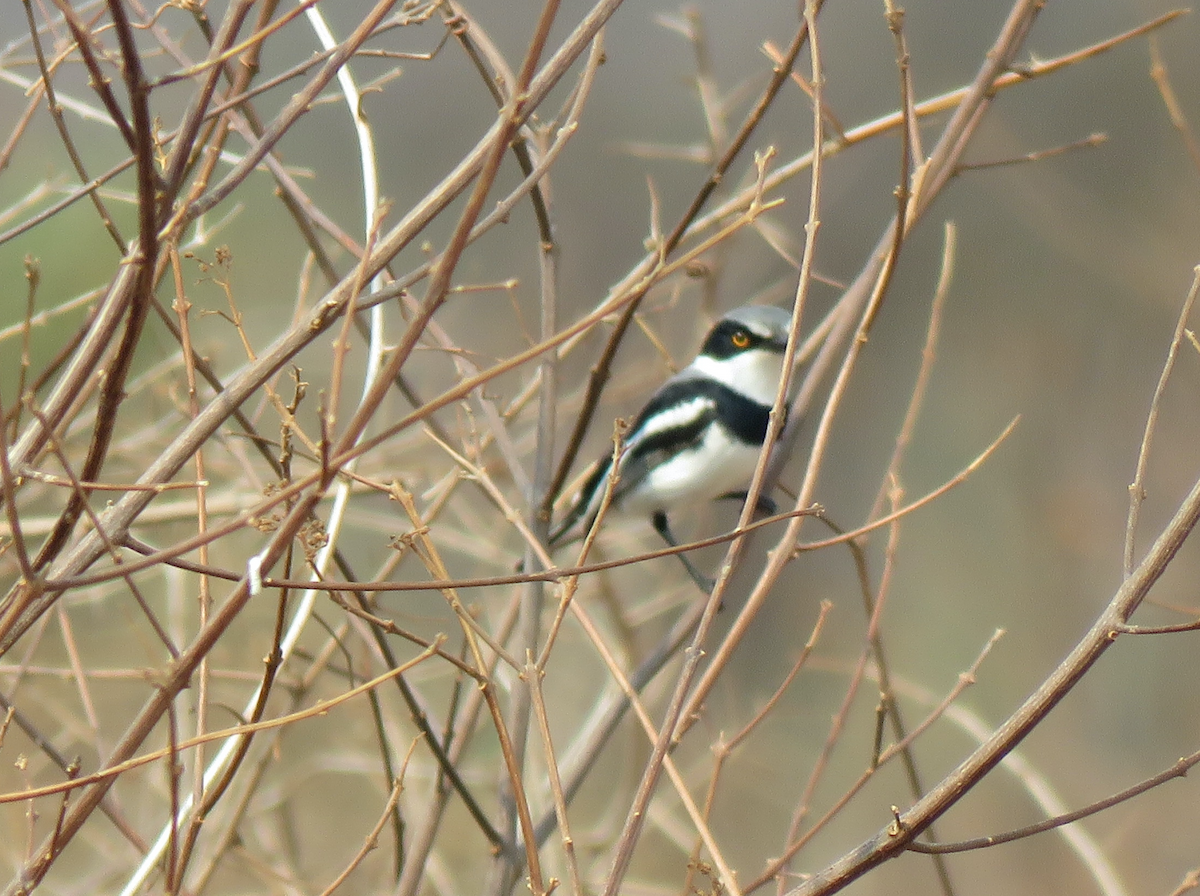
(699,436)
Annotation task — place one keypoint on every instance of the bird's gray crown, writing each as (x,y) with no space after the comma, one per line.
(751,330)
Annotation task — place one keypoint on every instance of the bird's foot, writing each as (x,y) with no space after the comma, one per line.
(663,528)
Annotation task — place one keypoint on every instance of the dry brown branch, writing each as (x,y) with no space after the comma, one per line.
(860,305)
(319,709)
(406,276)
(965,679)
(1178,770)
(1137,489)
(908,825)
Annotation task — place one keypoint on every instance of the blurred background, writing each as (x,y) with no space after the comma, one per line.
(1069,275)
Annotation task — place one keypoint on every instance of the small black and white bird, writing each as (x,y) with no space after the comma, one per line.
(699,436)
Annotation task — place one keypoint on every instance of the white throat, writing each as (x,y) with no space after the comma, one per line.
(755,374)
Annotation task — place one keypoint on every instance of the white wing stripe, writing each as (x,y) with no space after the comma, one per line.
(681,415)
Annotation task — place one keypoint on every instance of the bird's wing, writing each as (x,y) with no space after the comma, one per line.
(674,420)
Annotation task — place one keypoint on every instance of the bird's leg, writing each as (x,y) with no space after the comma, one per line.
(764,505)
(663,528)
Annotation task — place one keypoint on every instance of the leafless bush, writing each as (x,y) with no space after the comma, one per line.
(277,487)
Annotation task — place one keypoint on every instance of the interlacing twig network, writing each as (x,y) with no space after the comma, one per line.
(294,495)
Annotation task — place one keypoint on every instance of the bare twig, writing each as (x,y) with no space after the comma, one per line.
(1137,489)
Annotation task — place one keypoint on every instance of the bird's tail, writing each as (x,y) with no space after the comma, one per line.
(582,513)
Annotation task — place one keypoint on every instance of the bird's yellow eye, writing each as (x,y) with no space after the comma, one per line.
(740,339)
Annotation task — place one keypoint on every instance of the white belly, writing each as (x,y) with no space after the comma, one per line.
(715,467)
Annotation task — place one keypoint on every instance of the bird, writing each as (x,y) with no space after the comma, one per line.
(699,436)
